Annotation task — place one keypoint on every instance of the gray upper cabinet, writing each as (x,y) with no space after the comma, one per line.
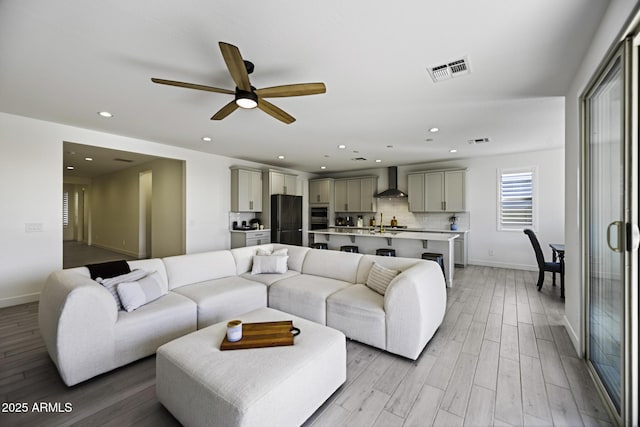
(416,192)
(283,183)
(437,191)
(355,194)
(454,190)
(368,189)
(320,191)
(246,190)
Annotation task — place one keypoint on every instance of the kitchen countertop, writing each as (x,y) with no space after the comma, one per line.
(395,234)
(249,231)
(404,230)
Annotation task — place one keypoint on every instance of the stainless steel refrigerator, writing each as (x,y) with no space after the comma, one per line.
(286,219)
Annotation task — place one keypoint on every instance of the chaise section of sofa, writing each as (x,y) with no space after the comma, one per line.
(86,335)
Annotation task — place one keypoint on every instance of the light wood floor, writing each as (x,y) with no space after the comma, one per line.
(501,357)
(77,254)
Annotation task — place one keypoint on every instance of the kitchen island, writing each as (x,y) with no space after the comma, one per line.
(406,243)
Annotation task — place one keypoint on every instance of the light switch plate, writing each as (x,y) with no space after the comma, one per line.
(33,227)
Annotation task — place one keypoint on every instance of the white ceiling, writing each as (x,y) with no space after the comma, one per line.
(63,61)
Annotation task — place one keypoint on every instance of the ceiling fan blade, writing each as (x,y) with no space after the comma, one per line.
(192,86)
(274,111)
(299,89)
(225,111)
(235,64)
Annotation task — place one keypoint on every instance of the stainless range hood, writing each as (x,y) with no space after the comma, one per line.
(392,192)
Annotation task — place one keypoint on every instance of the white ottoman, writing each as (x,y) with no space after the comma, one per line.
(275,386)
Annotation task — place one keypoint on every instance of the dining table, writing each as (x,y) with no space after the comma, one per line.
(558,256)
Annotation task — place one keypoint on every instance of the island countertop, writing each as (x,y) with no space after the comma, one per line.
(396,234)
(408,244)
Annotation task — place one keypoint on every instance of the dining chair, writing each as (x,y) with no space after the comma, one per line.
(553,267)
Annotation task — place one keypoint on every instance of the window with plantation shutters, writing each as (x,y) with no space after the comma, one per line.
(516,199)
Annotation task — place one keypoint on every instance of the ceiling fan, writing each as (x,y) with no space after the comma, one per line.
(245,95)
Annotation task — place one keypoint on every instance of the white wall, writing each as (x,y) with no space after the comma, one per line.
(613,22)
(511,249)
(31,165)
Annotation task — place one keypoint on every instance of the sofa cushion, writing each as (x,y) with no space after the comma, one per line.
(194,268)
(268,279)
(223,299)
(140,332)
(297,255)
(358,312)
(304,295)
(332,264)
(380,277)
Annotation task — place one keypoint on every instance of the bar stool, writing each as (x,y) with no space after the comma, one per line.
(349,248)
(434,256)
(320,246)
(386,252)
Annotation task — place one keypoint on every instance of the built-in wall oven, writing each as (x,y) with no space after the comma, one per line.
(319,218)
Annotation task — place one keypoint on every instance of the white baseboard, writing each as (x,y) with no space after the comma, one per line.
(20,299)
(575,340)
(498,264)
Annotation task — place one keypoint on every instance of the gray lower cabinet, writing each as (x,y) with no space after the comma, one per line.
(240,239)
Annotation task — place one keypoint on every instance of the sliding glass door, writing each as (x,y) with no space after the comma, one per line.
(605,254)
(610,180)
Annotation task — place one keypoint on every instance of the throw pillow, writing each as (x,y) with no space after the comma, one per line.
(112,283)
(280,252)
(269,264)
(266,252)
(136,294)
(380,277)
(108,269)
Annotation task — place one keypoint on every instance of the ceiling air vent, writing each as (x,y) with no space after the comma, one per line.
(478,141)
(358,159)
(118,159)
(449,70)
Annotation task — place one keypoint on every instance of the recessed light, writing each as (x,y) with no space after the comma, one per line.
(281,157)
(323,167)
(70,168)
(342,146)
(434,130)
(105,114)
(89,159)
(453,150)
(206,138)
(378,161)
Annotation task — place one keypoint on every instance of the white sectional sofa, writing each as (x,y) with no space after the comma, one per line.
(86,335)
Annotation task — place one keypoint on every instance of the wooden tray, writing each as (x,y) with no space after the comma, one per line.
(264,334)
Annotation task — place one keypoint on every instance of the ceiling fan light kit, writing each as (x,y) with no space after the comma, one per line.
(246,99)
(246,96)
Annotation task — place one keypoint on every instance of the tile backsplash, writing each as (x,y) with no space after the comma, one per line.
(400,209)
